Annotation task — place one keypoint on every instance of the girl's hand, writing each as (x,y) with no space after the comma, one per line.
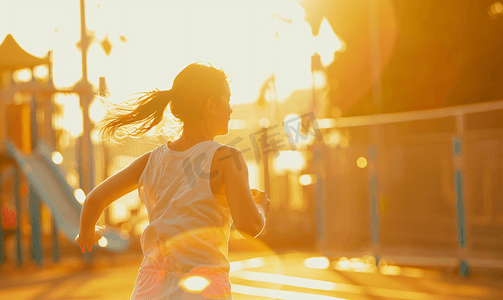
(90,240)
(262,199)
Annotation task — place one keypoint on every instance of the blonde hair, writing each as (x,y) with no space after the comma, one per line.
(191,86)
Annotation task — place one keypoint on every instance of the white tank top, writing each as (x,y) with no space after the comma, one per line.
(186,223)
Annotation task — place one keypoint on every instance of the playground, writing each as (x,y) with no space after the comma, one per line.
(38,204)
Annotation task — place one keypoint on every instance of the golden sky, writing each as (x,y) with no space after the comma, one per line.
(154,40)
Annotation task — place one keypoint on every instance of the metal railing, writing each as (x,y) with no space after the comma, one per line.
(428,189)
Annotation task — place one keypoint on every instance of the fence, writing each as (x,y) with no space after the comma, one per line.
(427,188)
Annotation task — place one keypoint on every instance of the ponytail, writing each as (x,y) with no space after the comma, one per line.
(191,87)
(135,118)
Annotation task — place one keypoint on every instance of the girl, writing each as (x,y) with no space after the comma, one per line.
(193,188)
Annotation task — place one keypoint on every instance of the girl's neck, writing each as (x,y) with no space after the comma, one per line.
(187,141)
(194,139)
(194,134)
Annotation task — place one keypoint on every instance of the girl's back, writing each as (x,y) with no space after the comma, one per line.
(187,228)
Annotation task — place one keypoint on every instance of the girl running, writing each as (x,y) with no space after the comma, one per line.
(193,188)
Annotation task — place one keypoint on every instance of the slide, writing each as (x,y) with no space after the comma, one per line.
(51,187)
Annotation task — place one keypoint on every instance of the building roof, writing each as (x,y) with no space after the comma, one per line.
(13,57)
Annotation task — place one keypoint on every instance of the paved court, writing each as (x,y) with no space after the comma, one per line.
(255,276)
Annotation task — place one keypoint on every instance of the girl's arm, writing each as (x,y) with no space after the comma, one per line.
(108,191)
(246,215)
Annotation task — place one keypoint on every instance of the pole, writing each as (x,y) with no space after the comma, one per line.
(50,137)
(458,144)
(85,94)
(55,242)
(316,65)
(375,54)
(320,223)
(84,40)
(17,191)
(33,117)
(86,154)
(374,204)
(36,241)
(318,149)
(276,101)
(375,69)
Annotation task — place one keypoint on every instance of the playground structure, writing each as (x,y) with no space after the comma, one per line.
(28,175)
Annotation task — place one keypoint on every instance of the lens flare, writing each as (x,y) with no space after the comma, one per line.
(361,162)
(264,122)
(307,179)
(23,75)
(79,195)
(344,263)
(293,161)
(41,72)
(103,242)
(57,158)
(317,263)
(194,284)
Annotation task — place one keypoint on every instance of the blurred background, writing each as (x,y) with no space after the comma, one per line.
(376,127)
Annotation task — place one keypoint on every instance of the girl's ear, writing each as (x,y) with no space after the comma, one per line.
(211,104)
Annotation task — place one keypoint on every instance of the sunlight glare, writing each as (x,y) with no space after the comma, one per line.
(247,264)
(23,75)
(71,118)
(103,242)
(251,29)
(286,280)
(139,227)
(97,111)
(324,123)
(292,11)
(41,72)
(357,264)
(344,263)
(307,179)
(334,138)
(361,162)
(292,161)
(56,157)
(317,263)
(254,262)
(327,43)
(99,66)
(195,284)
(390,270)
(79,195)
(119,212)
(95,136)
(313,285)
(236,266)
(278,294)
